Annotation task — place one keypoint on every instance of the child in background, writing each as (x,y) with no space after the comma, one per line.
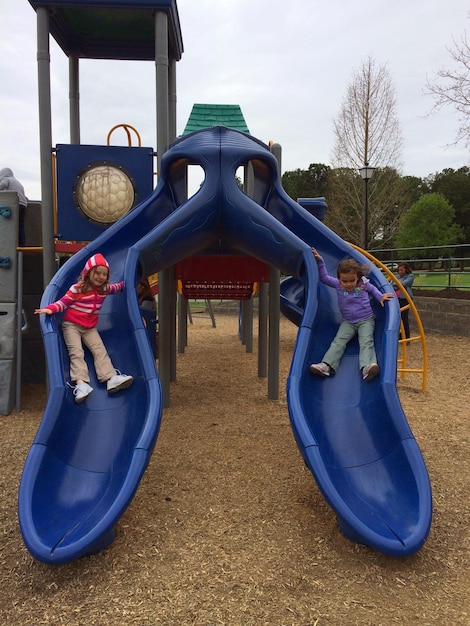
(406,278)
(144,294)
(82,304)
(353,289)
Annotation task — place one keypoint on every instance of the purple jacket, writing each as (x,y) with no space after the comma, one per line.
(354,305)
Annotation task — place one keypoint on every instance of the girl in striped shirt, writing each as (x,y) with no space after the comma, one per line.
(82,304)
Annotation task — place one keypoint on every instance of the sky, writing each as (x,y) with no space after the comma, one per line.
(287,64)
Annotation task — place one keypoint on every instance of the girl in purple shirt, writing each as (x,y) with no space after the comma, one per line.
(353,290)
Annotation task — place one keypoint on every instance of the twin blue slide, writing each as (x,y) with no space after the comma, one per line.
(87,459)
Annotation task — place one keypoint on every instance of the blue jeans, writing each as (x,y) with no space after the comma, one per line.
(346,331)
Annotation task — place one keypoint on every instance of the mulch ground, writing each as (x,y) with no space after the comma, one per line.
(449,294)
(228,526)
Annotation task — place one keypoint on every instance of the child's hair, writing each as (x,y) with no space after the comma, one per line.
(348,266)
(407,267)
(84,283)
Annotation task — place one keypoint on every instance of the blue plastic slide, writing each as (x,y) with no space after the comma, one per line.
(86,461)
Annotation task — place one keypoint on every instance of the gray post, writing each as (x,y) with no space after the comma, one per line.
(172,100)
(182,323)
(274,321)
(162,83)
(45,141)
(274,313)
(171,94)
(263,330)
(74,100)
(247,324)
(164,277)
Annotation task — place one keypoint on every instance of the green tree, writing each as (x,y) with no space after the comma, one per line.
(429,222)
(455,186)
(311,183)
(415,187)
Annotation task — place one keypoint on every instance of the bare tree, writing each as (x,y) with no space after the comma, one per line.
(367,131)
(389,199)
(452,87)
(367,128)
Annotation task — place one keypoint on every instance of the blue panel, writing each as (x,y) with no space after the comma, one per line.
(315,206)
(137,162)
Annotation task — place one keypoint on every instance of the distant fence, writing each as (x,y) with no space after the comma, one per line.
(438,268)
(435,268)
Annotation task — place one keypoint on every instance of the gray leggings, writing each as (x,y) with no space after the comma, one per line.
(346,331)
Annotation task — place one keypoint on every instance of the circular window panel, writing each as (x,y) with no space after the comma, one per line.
(104,192)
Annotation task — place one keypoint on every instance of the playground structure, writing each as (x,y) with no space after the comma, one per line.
(86,461)
(378,484)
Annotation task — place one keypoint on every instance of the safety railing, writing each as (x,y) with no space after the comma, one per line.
(435,268)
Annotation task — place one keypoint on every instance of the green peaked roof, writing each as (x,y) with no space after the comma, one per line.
(207,115)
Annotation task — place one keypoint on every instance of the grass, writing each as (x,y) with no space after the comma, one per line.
(442,280)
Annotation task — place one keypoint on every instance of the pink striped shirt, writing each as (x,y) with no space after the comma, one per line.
(83,307)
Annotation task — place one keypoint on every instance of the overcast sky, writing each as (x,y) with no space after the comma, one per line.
(287,64)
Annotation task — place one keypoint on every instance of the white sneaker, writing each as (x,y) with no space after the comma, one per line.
(81,391)
(370,371)
(320,369)
(118,382)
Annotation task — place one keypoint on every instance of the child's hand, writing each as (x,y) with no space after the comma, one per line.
(46,311)
(316,253)
(386,296)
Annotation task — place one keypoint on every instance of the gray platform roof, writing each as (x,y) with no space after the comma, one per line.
(111,29)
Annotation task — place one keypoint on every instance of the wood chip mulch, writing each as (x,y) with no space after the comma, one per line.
(228,526)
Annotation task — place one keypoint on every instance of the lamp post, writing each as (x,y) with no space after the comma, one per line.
(366,173)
